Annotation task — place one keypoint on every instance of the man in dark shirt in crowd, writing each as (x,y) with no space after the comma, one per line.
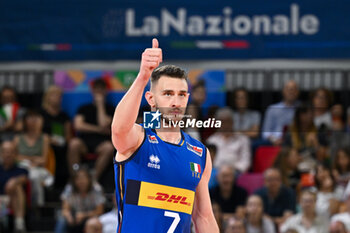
(93,123)
(12,181)
(279,201)
(228,195)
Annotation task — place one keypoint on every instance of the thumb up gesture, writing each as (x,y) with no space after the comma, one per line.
(150,60)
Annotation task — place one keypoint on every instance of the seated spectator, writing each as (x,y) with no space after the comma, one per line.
(218,215)
(302,133)
(232,148)
(245,121)
(33,147)
(308,220)
(328,197)
(235,225)
(93,225)
(59,129)
(280,115)
(321,100)
(10,114)
(93,125)
(213,182)
(337,227)
(344,217)
(279,200)
(12,181)
(341,166)
(287,161)
(228,195)
(256,221)
(337,112)
(198,96)
(83,203)
(110,220)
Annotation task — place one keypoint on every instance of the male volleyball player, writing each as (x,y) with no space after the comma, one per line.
(161,174)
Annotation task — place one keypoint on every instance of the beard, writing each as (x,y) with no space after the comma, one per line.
(171,114)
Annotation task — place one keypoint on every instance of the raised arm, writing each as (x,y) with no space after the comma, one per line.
(203,217)
(126,135)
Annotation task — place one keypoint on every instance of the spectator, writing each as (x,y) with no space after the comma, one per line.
(341,166)
(328,196)
(82,203)
(218,215)
(58,126)
(61,224)
(33,148)
(280,115)
(235,225)
(302,133)
(256,221)
(93,225)
(308,220)
(321,100)
(228,195)
(279,201)
(10,114)
(198,96)
(337,227)
(213,182)
(110,220)
(92,123)
(287,161)
(246,121)
(344,217)
(12,181)
(232,148)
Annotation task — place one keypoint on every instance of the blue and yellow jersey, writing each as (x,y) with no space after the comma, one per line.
(156,186)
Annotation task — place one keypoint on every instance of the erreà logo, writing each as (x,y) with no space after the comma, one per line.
(197,150)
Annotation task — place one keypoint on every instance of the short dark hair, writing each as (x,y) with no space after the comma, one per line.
(29,113)
(168,70)
(99,83)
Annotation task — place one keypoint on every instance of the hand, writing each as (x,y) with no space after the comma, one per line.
(70,219)
(79,217)
(151,58)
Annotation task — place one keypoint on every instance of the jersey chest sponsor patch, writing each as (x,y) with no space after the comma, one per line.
(195,149)
(159,196)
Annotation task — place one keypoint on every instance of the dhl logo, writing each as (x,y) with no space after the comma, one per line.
(170,198)
(166,197)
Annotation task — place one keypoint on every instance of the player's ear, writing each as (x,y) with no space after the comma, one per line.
(150,99)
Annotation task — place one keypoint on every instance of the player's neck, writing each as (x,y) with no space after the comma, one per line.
(172,135)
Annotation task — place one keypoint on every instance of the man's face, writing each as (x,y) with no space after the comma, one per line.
(241,100)
(199,95)
(170,96)
(290,91)
(8,153)
(226,177)
(308,202)
(273,181)
(7,96)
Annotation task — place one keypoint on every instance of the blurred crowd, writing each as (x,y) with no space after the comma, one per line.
(283,169)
